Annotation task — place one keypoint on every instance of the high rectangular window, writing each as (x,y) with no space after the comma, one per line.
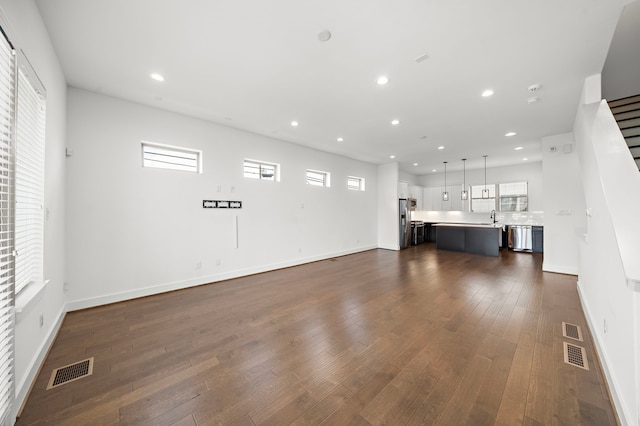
(355,183)
(171,157)
(254,169)
(318,178)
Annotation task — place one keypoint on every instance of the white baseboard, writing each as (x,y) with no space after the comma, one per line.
(387,247)
(560,269)
(623,414)
(177,285)
(22,388)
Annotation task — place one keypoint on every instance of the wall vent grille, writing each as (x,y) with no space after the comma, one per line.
(70,372)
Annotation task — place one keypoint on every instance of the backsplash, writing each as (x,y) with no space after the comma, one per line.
(506,218)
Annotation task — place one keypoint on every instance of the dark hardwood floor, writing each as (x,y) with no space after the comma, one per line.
(413,337)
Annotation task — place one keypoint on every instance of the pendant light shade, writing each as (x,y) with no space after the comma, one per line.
(485,191)
(445,194)
(465,194)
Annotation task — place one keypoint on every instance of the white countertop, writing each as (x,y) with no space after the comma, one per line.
(471,225)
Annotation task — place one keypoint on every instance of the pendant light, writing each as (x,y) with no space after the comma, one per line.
(445,194)
(485,191)
(465,194)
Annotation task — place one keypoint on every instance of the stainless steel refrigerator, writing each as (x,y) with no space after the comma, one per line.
(407,205)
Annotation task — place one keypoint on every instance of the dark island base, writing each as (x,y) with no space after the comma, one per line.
(469,240)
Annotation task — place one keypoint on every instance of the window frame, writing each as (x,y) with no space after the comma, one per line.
(360,183)
(260,175)
(29,177)
(197,168)
(325,181)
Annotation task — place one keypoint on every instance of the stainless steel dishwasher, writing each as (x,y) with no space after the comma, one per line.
(520,238)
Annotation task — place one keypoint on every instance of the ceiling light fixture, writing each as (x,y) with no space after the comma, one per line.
(485,191)
(465,194)
(294,123)
(415,164)
(487,93)
(525,159)
(392,156)
(434,170)
(382,80)
(340,140)
(533,99)
(395,122)
(445,194)
(441,147)
(518,148)
(510,134)
(157,77)
(324,35)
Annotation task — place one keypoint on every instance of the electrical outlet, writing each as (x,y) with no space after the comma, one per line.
(41,320)
(218,262)
(299,249)
(606,327)
(199,265)
(65,287)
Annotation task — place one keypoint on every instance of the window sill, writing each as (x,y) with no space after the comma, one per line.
(28,297)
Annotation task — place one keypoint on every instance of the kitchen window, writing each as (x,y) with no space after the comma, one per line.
(483,205)
(261,170)
(355,183)
(513,197)
(160,156)
(318,178)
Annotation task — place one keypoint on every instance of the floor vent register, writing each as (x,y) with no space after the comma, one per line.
(70,372)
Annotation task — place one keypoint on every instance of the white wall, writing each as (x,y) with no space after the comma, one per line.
(564,204)
(28,33)
(622,66)
(136,231)
(388,207)
(530,172)
(609,277)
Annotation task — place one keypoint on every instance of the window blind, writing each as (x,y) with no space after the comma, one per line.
(7,109)
(29,214)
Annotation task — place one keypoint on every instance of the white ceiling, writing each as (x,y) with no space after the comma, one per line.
(257,65)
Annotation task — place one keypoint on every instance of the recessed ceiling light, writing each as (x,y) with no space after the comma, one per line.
(294,123)
(395,122)
(415,164)
(433,170)
(441,147)
(487,93)
(518,148)
(324,35)
(524,159)
(510,134)
(392,156)
(340,139)
(157,77)
(382,80)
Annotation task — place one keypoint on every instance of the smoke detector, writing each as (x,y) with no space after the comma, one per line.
(534,88)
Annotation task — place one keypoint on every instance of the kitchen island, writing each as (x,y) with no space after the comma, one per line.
(477,238)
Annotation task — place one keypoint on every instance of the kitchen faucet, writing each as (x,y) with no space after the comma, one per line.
(493,216)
